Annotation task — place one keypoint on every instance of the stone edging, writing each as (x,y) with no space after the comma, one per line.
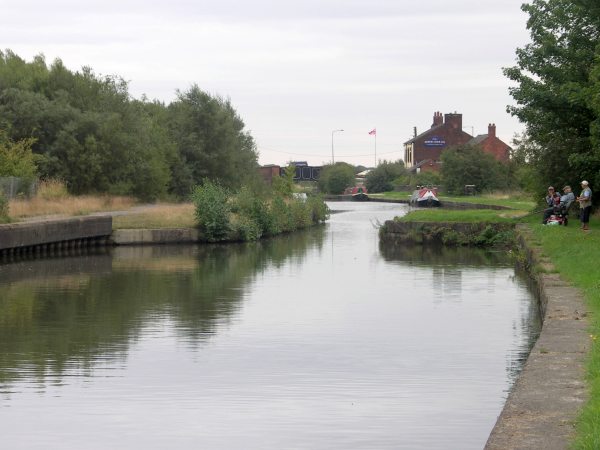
(541,408)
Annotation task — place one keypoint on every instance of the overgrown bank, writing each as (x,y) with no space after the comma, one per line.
(480,234)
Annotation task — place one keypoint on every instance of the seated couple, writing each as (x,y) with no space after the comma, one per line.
(556,203)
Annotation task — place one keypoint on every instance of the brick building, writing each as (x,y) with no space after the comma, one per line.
(422,153)
(489,143)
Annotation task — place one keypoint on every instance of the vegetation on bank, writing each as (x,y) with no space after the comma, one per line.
(159,215)
(88,131)
(53,200)
(574,255)
(463,216)
(221,214)
(515,200)
(247,215)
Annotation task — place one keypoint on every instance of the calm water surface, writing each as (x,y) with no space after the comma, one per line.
(317,340)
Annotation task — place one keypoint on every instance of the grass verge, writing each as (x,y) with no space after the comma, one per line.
(574,253)
(68,206)
(515,201)
(158,216)
(467,216)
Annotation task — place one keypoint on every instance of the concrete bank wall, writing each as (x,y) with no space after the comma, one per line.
(89,230)
(541,408)
(155,236)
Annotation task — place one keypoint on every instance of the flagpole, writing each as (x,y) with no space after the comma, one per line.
(375,149)
(373,132)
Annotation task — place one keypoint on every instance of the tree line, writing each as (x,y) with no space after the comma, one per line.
(88,131)
(557,86)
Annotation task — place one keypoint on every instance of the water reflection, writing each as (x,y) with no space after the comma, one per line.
(71,312)
(321,340)
(452,277)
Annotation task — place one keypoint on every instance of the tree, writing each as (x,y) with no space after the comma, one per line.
(334,179)
(467,164)
(382,177)
(557,78)
(16,158)
(210,138)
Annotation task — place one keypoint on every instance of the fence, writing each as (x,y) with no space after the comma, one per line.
(13,187)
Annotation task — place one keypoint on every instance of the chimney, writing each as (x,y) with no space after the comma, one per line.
(454,120)
(492,130)
(437,119)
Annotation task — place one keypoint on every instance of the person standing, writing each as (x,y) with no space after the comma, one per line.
(585,203)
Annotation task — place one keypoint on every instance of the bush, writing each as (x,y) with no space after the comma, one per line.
(382,177)
(282,218)
(318,208)
(211,201)
(3,209)
(253,206)
(470,165)
(334,179)
(301,214)
(244,228)
(247,216)
(426,179)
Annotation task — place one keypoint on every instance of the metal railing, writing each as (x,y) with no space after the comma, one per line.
(12,187)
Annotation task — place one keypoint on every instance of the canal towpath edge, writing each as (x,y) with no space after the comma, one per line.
(542,407)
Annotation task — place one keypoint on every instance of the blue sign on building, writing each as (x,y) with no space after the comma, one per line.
(434,141)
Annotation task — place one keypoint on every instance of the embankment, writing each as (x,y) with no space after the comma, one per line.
(448,233)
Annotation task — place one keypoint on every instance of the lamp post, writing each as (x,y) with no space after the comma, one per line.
(332,133)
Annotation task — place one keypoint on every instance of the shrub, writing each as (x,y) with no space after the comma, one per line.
(381,178)
(466,164)
(212,206)
(245,228)
(301,214)
(253,206)
(318,208)
(333,179)
(3,209)
(282,219)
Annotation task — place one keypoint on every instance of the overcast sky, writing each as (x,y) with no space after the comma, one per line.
(296,70)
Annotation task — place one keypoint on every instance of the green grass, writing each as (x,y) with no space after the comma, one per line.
(575,255)
(516,201)
(470,215)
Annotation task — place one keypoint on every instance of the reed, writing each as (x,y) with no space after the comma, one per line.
(158,216)
(60,206)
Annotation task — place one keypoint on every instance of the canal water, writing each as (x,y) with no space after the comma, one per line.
(317,340)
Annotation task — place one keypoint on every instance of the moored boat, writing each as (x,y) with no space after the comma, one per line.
(359,193)
(425,196)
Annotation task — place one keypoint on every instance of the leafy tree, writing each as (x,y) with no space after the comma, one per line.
(333,179)
(16,158)
(3,208)
(557,78)
(210,138)
(284,185)
(466,164)
(212,209)
(381,179)
(89,132)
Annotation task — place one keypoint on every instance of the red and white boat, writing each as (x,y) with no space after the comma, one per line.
(425,196)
